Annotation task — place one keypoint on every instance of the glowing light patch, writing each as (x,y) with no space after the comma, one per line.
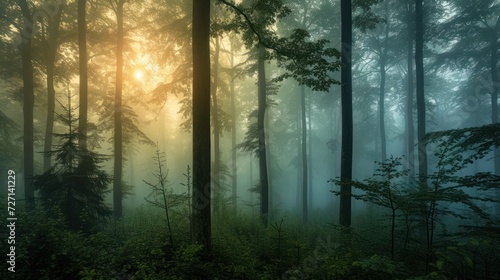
(138,75)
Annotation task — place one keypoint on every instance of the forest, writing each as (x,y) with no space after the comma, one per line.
(250,139)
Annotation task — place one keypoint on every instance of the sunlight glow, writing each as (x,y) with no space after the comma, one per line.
(139,75)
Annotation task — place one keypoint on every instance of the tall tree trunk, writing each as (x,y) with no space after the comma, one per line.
(494,96)
(310,154)
(304,151)
(347,121)
(201,220)
(234,179)
(217,203)
(28,103)
(118,139)
(262,106)
(299,160)
(381,102)
(410,130)
(82,49)
(51,45)
(427,227)
(419,62)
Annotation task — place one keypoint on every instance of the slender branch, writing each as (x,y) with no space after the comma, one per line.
(251,25)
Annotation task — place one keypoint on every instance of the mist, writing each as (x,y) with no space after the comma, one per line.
(250,139)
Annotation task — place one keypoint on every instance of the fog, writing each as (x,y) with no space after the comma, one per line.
(108,108)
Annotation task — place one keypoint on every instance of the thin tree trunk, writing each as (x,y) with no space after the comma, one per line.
(299,160)
(234,179)
(118,145)
(201,220)
(494,97)
(49,125)
(422,153)
(28,104)
(347,120)
(381,102)
(215,117)
(410,130)
(51,46)
(310,154)
(419,62)
(82,49)
(262,104)
(304,151)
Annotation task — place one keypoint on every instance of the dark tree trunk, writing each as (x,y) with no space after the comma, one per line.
(28,104)
(410,130)
(234,179)
(494,96)
(304,151)
(51,45)
(215,118)
(310,153)
(262,104)
(201,220)
(347,121)
(419,62)
(82,49)
(381,102)
(118,141)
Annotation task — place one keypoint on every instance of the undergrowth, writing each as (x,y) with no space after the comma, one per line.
(138,247)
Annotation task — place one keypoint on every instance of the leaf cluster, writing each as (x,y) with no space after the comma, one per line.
(309,62)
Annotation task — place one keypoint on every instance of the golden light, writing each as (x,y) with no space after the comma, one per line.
(139,75)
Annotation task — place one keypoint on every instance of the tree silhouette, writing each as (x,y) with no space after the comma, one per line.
(75,184)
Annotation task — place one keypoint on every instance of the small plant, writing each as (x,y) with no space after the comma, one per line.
(387,191)
(159,190)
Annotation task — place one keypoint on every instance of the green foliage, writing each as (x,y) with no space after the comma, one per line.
(310,63)
(366,19)
(378,267)
(75,185)
(10,150)
(472,257)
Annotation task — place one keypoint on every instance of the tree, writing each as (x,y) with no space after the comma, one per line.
(419,62)
(475,29)
(410,130)
(201,220)
(26,33)
(83,61)
(51,46)
(75,184)
(159,190)
(118,144)
(384,191)
(304,152)
(305,61)
(262,151)
(347,119)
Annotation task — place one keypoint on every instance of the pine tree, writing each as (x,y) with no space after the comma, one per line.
(75,184)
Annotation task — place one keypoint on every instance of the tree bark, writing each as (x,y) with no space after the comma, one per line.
(410,130)
(215,118)
(495,78)
(347,120)
(310,153)
(201,220)
(118,145)
(419,62)
(262,104)
(381,102)
(304,152)
(51,46)
(234,179)
(82,50)
(28,103)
